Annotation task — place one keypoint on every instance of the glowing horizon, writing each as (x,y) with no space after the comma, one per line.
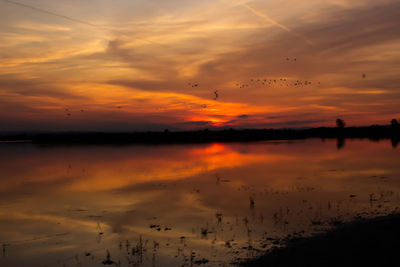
(151,65)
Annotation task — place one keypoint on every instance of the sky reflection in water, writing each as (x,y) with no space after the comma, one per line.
(179,205)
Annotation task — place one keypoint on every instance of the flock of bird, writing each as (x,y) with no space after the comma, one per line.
(271,82)
(264,82)
(275,82)
(282,82)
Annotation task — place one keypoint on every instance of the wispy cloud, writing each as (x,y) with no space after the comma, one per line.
(137,68)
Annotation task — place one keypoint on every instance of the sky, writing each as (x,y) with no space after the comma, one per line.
(138,65)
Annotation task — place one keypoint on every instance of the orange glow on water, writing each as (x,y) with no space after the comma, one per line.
(55,201)
(211,149)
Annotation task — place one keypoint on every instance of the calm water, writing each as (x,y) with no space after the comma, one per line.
(206,205)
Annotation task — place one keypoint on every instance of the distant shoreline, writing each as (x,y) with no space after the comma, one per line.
(376,132)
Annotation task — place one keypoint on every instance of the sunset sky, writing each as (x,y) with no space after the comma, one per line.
(126,65)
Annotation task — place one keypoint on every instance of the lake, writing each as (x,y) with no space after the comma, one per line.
(184,205)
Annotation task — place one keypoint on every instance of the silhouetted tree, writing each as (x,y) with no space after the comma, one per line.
(394,123)
(340,123)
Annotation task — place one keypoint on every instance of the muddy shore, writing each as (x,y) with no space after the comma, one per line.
(368,242)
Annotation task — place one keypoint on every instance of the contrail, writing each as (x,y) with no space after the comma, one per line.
(76,20)
(51,13)
(274,22)
(265,16)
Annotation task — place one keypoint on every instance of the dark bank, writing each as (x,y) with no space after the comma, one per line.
(374,132)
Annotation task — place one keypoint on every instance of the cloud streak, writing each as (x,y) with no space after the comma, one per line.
(43,11)
(275,23)
(123,81)
(79,21)
(266,17)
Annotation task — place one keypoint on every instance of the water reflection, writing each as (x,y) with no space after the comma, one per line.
(186,204)
(341,142)
(395,142)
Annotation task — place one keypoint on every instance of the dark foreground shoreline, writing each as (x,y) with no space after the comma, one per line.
(206,136)
(369,242)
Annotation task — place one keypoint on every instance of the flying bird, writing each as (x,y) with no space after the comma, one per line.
(216,94)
